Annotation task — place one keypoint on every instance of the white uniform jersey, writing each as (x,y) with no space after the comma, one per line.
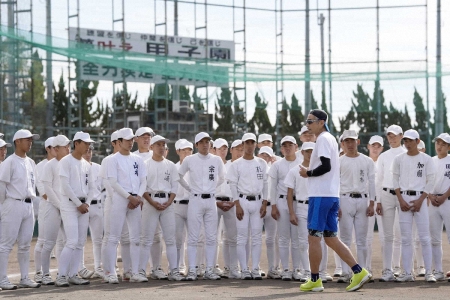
(40,176)
(19,175)
(224,190)
(357,175)
(384,175)
(162,176)
(144,155)
(53,183)
(442,178)
(182,193)
(104,176)
(299,184)
(328,184)
(97,181)
(277,174)
(248,177)
(413,173)
(206,172)
(75,180)
(128,170)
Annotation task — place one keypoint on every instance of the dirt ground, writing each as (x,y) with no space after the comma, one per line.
(231,288)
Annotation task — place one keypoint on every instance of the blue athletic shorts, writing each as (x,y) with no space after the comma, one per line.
(323,213)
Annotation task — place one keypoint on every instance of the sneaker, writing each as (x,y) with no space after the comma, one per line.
(225,273)
(387,276)
(218,271)
(78,281)
(192,275)
(397,271)
(112,279)
(200,270)
(263,274)
(297,275)
(211,275)
(28,283)
(47,280)
(127,276)
(358,280)
(256,274)
(61,281)
(175,275)
(158,273)
(38,277)
(371,276)
(98,273)
(421,271)
(337,272)
(439,276)
(344,278)
(246,275)
(235,274)
(6,285)
(429,277)
(325,277)
(52,255)
(85,273)
(448,274)
(138,278)
(182,270)
(286,275)
(273,274)
(305,276)
(311,286)
(405,277)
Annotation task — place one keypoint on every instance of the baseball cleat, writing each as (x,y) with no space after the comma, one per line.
(256,274)
(210,275)
(85,273)
(47,280)
(297,275)
(61,281)
(138,278)
(286,275)
(28,283)
(192,275)
(397,271)
(38,277)
(439,276)
(273,274)
(158,273)
(246,275)
(429,277)
(344,278)
(175,275)
(78,280)
(404,277)
(421,271)
(387,276)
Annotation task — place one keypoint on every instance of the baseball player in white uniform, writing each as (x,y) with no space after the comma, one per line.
(206,173)
(3,150)
(40,174)
(387,203)
(357,173)
(247,177)
(439,210)
(297,197)
(162,184)
(287,233)
(17,191)
(413,177)
(126,174)
(76,191)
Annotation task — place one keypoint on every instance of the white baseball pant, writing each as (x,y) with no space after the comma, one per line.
(181,225)
(301,211)
(156,249)
(220,236)
(229,237)
(390,221)
(17,225)
(52,226)
(422,221)
(96,230)
(270,230)
(40,241)
(370,233)
(418,256)
(439,216)
(287,237)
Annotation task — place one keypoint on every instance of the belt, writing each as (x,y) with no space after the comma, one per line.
(355,195)
(160,195)
(134,195)
(282,196)
(204,196)
(251,198)
(223,198)
(182,201)
(82,199)
(303,201)
(96,201)
(411,193)
(441,195)
(389,191)
(26,200)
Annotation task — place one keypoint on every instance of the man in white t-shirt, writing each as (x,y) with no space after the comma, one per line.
(206,172)
(413,176)
(324,184)
(17,191)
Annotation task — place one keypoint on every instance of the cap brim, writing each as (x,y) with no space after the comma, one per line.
(163,140)
(88,141)
(7,145)
(409,137)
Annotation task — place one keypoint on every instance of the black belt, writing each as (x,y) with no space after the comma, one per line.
(303,201)
(441,195)
(83,200)
(96,201)
(251,198)
(411,193)
(204,196)
(160,195)
(182,201)
(223,198)
(355,195)
(389,190)
(134,195)
(26,200)
(282,196)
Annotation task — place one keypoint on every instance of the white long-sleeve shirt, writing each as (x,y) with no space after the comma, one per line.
(40,175)
(206,172)
(19,177)
(413,173)
(248,177)
(357,175)
(224,190)
(52,183)
(104,176)
(162,176)
(126,174)
(299,184)
(277,174)
(97,180)
(442,178)
(182,193)
(384,175)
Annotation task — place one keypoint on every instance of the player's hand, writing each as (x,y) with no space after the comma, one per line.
(44,196)
(404,206)
(262,210)
(275,213)
(433,200)
(379,209)
(303,172)
(293,219)
(370,211)
(440,200)
(134,201)
(239,212)
(416,205)
(83,208)
(221,205)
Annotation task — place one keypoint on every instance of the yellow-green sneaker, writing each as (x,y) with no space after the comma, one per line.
(311,286)
(358,280)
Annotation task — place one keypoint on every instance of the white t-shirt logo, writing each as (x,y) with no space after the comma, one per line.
(420,166)
(211,173)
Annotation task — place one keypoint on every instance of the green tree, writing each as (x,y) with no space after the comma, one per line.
(260,122)
(446,125)
(421,115)
(384,112)
(60,102)
(224,113)
(348,120)
(314,104)
(284,121)
(296,114)
(325,108)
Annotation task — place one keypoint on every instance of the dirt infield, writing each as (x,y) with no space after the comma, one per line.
(232,289)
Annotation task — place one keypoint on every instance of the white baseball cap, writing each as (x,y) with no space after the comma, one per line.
(303,130)
(267,150)
(144,130)
(60,140)
(200,136)
(219,143)
(84,136)
(264,137)
(178,143)
(376,139)
(125,133)
(288,138)
(248,136)
(114,136)
(308,146)
(443,136)
(49,142)
(236,143)
(25,134)
(421,145)
(158,138)
(349,134)
(395,129)
(186,144)
(3,143)
(411,134)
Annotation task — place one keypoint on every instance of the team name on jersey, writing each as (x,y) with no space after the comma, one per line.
(211,173)
(361,175)
(136,169)
(420,169)
(259,173)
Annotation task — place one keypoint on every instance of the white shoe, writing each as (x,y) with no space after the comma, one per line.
(6,285)
(325,277)
(126,276)
(28,283)
(263,273)
(210,275)
(273,274)
(98,273)
(38,277)
(337,272)
(297,275)
(256,274)
(286,275)
(47,280)
(397,271)
(175,275)
(225,273)
(344,278)
(429,277)
(403,277)
(235,274)
(218,271)
(439,276)
(158,273)
(192,275)
(85,273)
(61,281)
(138,278)
(78,281)
(200,270)
(246,275)
(421,271)
(111,279)
(387,276)
(182,270)
(305,276)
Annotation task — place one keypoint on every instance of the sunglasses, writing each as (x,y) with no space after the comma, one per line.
(310,121)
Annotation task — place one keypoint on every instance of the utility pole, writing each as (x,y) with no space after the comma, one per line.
(439,118)
(329,68)
(307,66)
(321,21)
(49,79)
(377,82)
(175,88)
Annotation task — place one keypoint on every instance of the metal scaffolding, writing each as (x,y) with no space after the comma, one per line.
(279,84)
